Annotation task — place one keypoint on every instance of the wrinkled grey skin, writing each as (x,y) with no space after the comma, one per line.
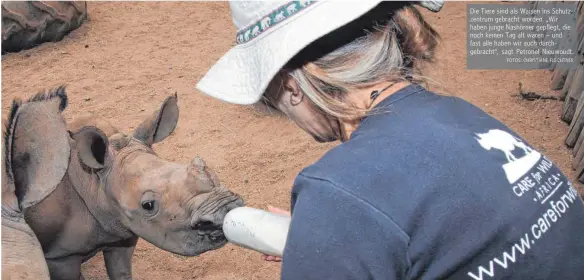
(116,189)
(36,123)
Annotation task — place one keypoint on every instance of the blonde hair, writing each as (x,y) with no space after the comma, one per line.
(387,52)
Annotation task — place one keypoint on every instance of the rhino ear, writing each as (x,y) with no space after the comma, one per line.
(160,124)
(37,147)
(91,144)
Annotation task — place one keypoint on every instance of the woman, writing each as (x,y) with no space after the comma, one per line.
(423,186)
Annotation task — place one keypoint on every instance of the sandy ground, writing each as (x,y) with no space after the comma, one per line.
(128,57)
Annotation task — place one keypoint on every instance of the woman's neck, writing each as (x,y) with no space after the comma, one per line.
(362,99)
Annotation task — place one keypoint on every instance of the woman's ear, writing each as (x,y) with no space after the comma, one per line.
(296,95)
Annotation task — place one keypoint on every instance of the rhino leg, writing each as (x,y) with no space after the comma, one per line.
(65,268)
(118,260)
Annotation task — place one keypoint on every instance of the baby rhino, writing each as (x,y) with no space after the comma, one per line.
(115,190)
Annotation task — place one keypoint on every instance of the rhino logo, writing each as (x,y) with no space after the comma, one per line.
(279,16)
(266,22)
(503,141)
(256,31)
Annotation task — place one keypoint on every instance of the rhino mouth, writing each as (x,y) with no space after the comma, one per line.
(210,230)
(217,236)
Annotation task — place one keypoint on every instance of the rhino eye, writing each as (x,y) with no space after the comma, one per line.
(148,205)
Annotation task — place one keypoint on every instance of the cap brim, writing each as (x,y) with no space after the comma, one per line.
(244,72)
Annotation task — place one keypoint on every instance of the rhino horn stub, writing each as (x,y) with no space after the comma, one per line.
(198,164)
(37,146)
(199,171)
(160,124)
(196,170)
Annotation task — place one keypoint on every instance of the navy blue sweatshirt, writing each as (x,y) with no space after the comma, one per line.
(434,188)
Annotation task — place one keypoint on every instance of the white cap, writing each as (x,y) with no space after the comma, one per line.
(269,34)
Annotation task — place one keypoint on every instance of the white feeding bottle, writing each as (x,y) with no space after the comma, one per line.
(257,229)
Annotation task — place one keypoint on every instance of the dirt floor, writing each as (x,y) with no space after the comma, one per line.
(128,57)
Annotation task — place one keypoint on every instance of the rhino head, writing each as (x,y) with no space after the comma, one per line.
(483,141)
(177,207)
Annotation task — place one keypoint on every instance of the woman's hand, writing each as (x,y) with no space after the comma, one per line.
(278,211)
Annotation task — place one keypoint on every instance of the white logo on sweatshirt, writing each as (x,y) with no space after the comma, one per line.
(500,140)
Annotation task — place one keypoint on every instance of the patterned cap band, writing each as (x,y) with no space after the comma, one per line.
(294,7)
(275,17)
